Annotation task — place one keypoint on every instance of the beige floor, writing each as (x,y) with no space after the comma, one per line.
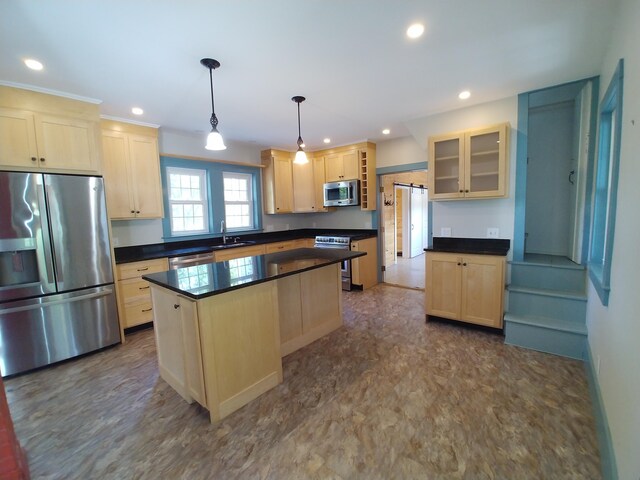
(387,396)
(407,272)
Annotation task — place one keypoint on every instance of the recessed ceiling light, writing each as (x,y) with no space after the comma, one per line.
(33,64)
(464,95)
(327,140)
(137,111)
(415,31)
(386,131)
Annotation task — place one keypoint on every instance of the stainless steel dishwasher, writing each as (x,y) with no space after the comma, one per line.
(190,260)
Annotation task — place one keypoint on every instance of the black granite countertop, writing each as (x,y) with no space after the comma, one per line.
(476,246)
(194,247)
(215,278)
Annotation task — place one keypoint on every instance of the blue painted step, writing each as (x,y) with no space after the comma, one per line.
(550,335)
(547,306)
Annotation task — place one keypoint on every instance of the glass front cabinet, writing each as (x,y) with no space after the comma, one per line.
(469,164)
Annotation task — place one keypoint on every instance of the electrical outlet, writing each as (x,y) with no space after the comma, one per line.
(493,232)
(445,231)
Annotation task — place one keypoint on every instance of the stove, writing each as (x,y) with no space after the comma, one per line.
(343,243)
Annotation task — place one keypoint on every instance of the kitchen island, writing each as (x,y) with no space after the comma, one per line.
(222,328)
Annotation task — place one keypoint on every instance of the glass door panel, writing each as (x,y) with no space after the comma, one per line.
(446,166)
(484,162)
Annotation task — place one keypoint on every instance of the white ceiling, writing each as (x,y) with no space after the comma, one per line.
(350,58)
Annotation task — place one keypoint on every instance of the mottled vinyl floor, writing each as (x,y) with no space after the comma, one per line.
(385,397)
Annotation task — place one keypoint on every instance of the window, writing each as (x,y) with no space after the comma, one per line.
(199,195)
(188,205)
(238,201)
(604,209)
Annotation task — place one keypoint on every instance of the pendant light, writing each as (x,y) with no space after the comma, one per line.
(301,157)
(214,139)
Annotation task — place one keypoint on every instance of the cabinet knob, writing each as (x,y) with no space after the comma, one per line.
(137,211)
(133,211)
(176,306)
(464,264)
(466,191)
(42,159)
(459,264)
(33,159)
(461,191)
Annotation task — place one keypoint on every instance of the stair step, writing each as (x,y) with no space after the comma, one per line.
(525,274)
(550,335)
(548,292)
(546,322)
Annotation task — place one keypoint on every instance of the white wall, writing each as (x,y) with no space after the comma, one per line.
(614,331)
(466,218)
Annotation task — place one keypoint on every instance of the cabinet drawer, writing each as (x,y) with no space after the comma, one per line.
(138,313)
(280,246)
(134,291)
(137,269)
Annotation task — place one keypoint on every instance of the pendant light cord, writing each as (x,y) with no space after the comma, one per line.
(214,119)
(299,136)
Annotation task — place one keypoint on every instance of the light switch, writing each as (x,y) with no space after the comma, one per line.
(445,231)
(493,232)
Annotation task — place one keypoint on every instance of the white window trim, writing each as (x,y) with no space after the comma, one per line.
(249,202)
(204,201)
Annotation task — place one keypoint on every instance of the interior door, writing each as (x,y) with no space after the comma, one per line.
(579,169)
(416,222)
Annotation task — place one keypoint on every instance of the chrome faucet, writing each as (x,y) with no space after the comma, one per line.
(223,231)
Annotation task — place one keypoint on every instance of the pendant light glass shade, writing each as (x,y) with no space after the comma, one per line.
(301,157)
(214,139)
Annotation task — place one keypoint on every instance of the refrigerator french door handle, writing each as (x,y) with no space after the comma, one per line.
(44,221)
(57,261)
(33,306)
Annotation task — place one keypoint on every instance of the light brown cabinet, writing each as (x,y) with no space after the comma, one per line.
(277,181)
(41,132)
(238,252)
(342,166)
(469,164)
(462,287)
(131,171)
(304,187)
(134,300)
(364,270)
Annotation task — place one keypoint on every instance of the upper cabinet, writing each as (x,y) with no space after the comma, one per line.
(292,188)
(131,171)
(469,164)
(277,181)
(40,132)
(341,166)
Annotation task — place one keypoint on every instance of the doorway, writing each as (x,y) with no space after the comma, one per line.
(405,221)
(555,162)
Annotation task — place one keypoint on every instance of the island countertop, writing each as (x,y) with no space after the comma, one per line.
(209,279)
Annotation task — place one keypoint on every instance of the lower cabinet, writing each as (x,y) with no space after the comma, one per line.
(176,328)
(364,270)
(462,287)
(134,299)
(310,307)
(238,252)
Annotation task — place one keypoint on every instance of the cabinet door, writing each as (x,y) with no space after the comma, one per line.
(443,285)
(66,143)
(192,353)
(169,339)
(446,166)
(482,290)
(117,177)
(319,179)
(350,165)
(333,167)
(364,270)
(283,184)
(239,252)
(17,139)
(486,167)
(145,169)
(304,195)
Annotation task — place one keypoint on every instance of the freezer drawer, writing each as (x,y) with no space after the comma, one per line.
(45,330)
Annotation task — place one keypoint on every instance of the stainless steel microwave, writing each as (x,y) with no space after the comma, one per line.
(342,194)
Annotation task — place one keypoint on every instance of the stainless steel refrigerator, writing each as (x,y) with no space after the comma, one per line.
(57,296)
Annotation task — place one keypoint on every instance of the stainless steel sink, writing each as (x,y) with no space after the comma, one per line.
(233,244)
